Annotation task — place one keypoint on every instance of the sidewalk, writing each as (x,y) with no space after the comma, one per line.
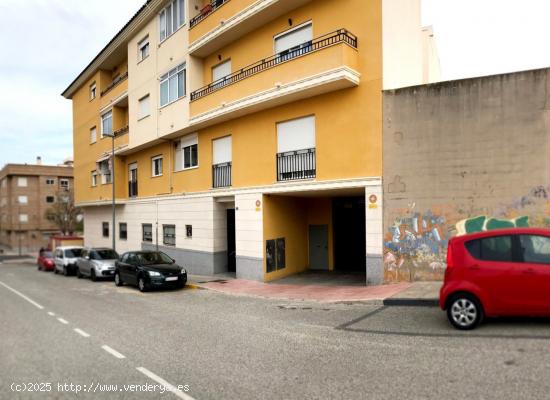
(404,294)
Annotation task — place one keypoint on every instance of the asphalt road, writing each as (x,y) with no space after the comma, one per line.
(215,346)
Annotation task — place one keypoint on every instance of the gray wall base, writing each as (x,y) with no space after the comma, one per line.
(196,262)
(375,269)
(250,268)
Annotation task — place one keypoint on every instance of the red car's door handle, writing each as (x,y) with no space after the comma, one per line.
(529,271)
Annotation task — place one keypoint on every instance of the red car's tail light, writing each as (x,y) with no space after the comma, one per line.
(450,261)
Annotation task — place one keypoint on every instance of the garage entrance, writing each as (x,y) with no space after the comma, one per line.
(350,251)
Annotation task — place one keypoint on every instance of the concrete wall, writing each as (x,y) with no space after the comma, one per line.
(462,156)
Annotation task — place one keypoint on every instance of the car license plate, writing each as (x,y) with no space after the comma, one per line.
(172,278)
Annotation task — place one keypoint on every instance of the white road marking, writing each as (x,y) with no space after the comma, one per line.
(167,385)
(81,332)
(63,321)
(112,351)
(51,314)
(34,303)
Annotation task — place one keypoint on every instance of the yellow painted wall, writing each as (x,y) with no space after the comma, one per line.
(147,184)
(285,217)
(86,114)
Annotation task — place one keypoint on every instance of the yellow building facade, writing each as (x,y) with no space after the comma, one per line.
(247,136)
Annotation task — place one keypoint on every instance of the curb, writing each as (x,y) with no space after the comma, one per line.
(192,286)
(401,302)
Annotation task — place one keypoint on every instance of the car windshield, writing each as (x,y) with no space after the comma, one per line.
(73,253)
(47,254)
(106,254)
(153,258)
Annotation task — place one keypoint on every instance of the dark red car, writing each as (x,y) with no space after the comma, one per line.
(45,261)
(503,272)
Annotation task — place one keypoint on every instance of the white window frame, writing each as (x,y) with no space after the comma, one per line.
(220,65)
(110,113)
(93,91)
(93,135)
(140,115)
(104,175)
(23,218)
(50,181)
(22,181)
(284,145)
(22,200)
(228,141)
(64,183)
(144,44)
(153,160)
(166,78)
(50,202)
(175,25)
(289,31)
(94,178)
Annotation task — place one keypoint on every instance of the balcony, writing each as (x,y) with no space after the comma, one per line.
(323,65)
(221,175)
(119,79)
(293,165)
(132,188)
(224,21)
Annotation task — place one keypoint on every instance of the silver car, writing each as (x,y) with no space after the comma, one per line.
(97,263)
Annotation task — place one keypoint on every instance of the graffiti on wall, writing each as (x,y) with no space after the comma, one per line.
(415,244)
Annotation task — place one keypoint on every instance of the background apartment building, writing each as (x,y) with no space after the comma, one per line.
(26,192)
(248,136)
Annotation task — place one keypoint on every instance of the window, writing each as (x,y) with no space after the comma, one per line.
(22,182)
(172,85)
(147,232)
(107,123)
(156,166)
(50,181)
(94,178)
(93,135)
(144,107)
(297,134)
(93,91)
(294,38)
(221,70)
(123,230)
(105,170)
(105,229)
(143,49)
(132,180)
(23,218)
(22,200)
(275,254)
(222,150)
(189,231)
(64,184)
(169,235)
(171,18)
(498,248)
(187,155)
(535,249)
(50,199)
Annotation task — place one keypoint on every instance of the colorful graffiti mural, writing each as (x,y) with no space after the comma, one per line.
(485,223)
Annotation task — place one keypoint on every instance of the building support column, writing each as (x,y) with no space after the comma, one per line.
(249,243)
(374,234)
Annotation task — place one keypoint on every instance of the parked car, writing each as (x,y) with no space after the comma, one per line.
(96,263)
(503,272)
(65,259)
(45,260)
(149,269)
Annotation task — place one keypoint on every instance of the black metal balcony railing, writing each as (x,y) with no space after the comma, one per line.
(114,83)
(339,36)
(221,175)
(299,164)
(206,11)
(132,188)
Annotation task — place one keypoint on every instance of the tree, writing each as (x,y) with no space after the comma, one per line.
(64,214)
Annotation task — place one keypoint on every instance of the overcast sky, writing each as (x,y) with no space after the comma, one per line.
(46,43)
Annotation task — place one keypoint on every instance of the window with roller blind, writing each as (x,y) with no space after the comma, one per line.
(221,70)
(144,107)
(296,149)
(221,162)
(294,42)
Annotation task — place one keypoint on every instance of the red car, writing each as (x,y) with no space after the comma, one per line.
(45,261)
(503,272)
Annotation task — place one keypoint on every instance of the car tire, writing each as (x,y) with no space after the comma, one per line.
(79,274)
(65,271)
(55,271)
(39,267)
(464,311)
(118,279)
(182,284)
(142,285)
(93,276)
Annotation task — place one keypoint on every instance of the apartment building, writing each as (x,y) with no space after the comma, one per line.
(26,192)
(247,136)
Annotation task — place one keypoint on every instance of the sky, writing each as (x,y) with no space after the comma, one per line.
(47,43)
